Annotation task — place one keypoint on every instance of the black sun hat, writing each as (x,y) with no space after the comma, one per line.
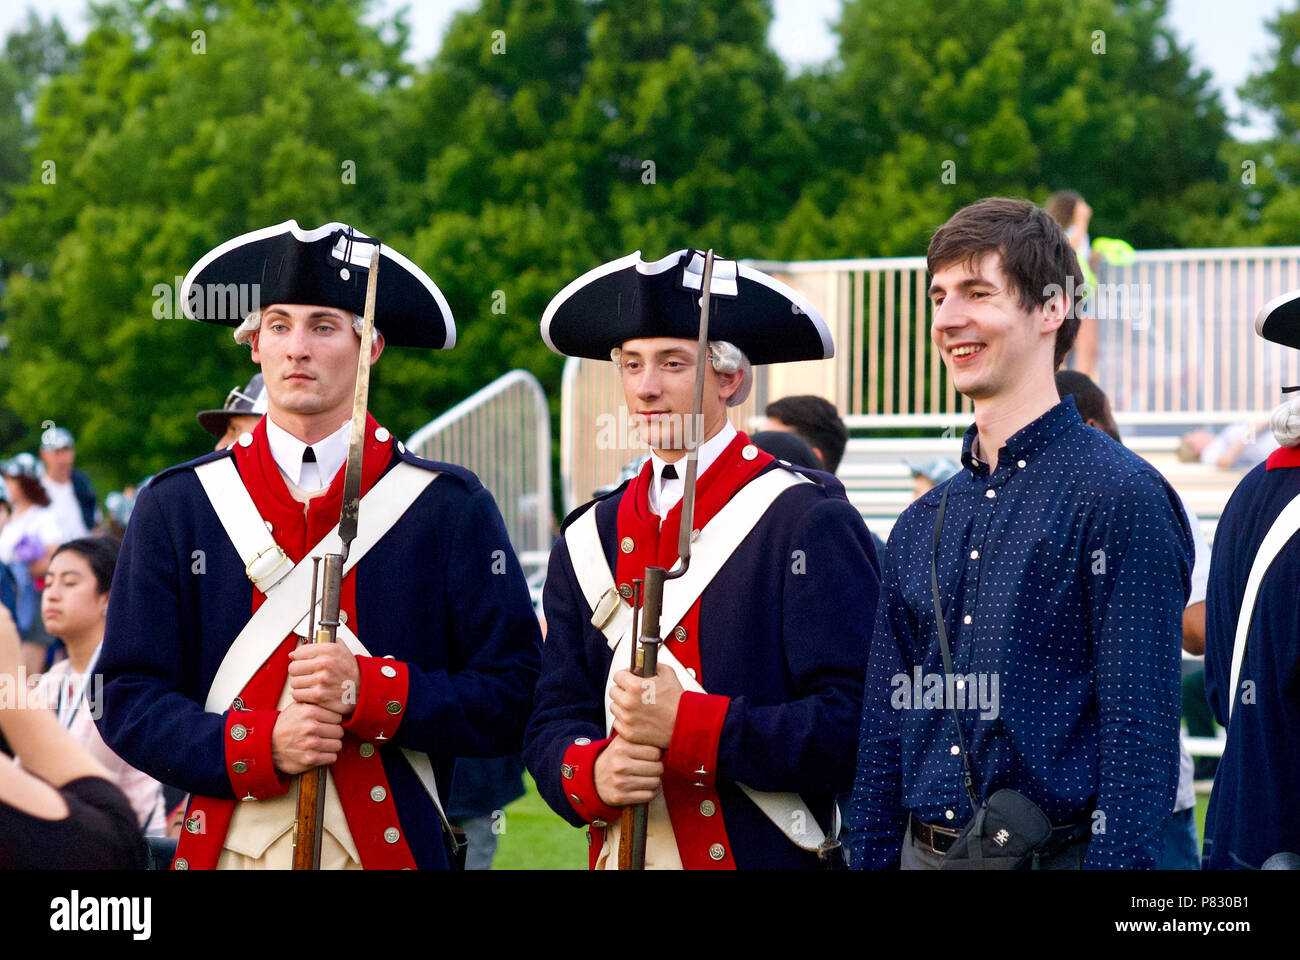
(251,401)
(324,267)
(628,298)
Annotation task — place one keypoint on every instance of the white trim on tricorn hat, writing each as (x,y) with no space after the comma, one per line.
(629,298)
(1279,320)
(410,310)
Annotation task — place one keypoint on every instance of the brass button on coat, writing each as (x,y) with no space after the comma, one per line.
(239,766)
(718,851)
(193,825)
(394,707)
(627,545)
(625,591)
(680,634)
(566,771)
(378,794)
(392,835)
(181,864)
(238,732)
(708,808)
(388,671)
(367,750)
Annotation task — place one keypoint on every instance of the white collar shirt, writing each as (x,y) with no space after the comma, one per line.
(666,494)
(331,454)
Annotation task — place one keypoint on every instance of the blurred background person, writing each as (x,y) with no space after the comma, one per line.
(1238,446)
(816,420)
(1071,211)
(239,414)
(72,495)
(59,809)
(928,475)
(74,605)
(27,542)
(789,447)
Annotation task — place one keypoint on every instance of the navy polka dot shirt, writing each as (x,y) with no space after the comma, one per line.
(1063,575)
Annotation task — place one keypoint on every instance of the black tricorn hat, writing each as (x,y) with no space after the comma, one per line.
(324,267)
(1279,320)
(251,401)
(627,299)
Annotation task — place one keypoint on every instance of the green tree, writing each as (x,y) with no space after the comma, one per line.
(939,103)
(183,126)
(1270,170)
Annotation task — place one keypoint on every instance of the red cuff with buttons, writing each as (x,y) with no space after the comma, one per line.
(381,698)
(248,754)
(578,774)
(693,750)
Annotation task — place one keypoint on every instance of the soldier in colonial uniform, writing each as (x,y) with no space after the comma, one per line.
(206,684)
(1252,644)
(747,731)
(238,415)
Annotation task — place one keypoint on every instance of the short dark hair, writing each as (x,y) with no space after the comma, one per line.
(1036,255)
(100,553)
(1089,398)
(817,421)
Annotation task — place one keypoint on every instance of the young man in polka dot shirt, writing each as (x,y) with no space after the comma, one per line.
(1063,569)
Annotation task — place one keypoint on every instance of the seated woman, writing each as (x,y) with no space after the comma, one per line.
(58,811)
(74,607)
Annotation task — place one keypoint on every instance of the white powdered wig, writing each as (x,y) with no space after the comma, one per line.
(253,322)
(726,358)
(1285,421)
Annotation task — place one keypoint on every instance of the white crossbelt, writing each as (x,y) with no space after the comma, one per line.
(288,586)
(1282,530)
(716,542)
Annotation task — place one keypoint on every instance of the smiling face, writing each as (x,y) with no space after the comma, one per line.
(987,338)
(309,365)
(658,376)
(72,606)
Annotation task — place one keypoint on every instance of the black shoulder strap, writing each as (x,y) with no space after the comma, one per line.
(943,648)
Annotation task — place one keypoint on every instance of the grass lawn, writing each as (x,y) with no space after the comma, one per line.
(536,838)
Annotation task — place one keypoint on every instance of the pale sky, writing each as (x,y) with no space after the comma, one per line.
(1226,38)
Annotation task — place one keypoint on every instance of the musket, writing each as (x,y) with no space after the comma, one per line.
(645,656)
(311,791)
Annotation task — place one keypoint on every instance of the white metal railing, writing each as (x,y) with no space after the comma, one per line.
(596,438)
(503,434)
(1176,338)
